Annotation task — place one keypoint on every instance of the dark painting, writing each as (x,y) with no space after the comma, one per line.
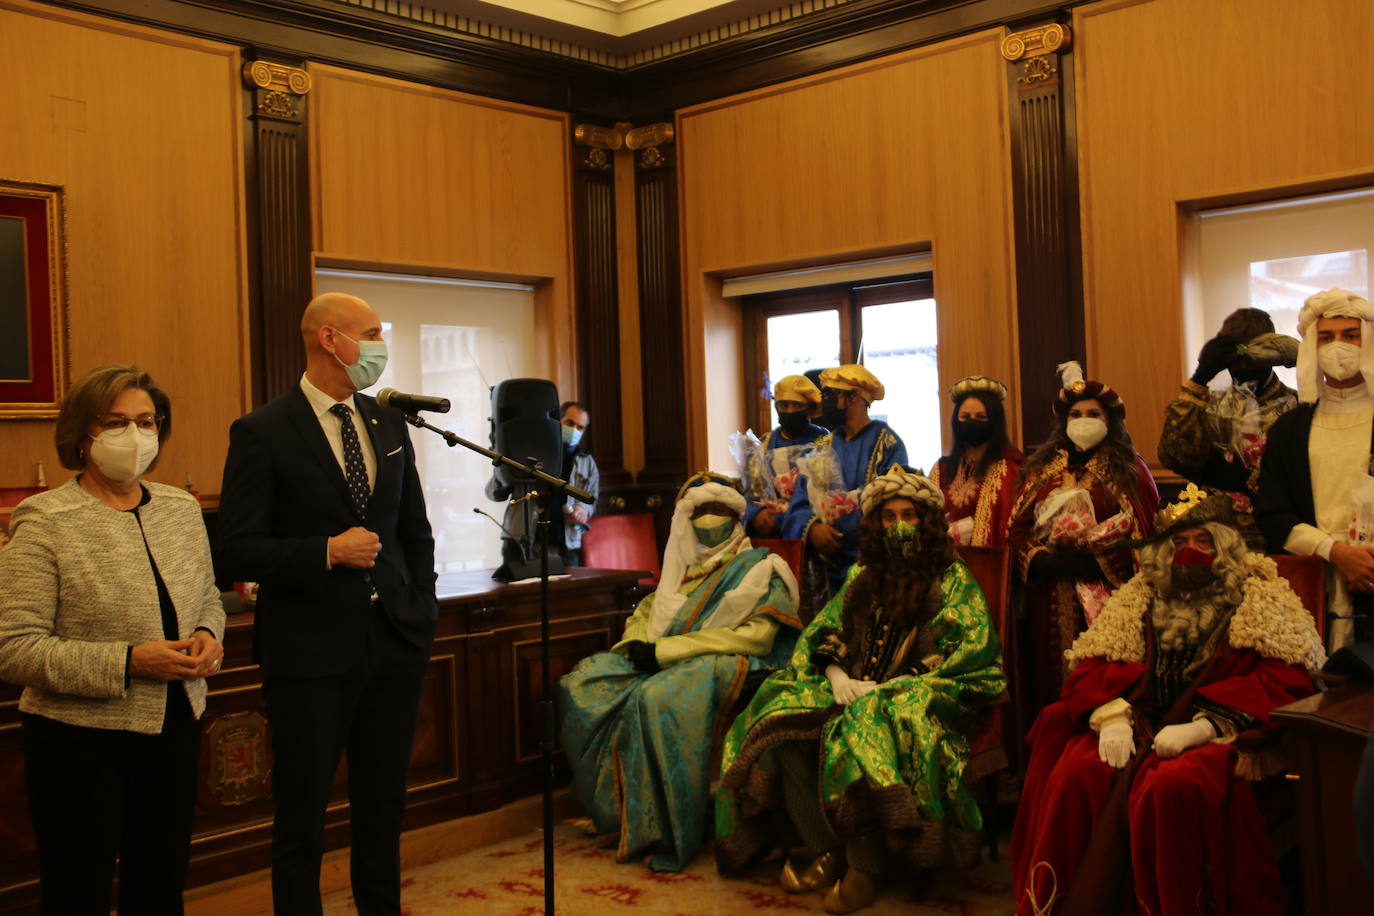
(14,303)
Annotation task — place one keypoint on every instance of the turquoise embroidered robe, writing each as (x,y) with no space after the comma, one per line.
(641,746)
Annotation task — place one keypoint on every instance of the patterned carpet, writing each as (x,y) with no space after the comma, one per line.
(507,879)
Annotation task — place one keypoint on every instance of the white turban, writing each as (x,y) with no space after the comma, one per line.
(1332,303)
(899,482)
(684,550)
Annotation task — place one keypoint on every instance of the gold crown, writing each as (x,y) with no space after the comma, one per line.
(1194,506)
(977,384)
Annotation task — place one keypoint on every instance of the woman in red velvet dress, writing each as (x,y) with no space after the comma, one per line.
(1070,557)
(978,477)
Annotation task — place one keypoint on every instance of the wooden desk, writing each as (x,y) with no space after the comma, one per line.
(1325,741)
(476,746)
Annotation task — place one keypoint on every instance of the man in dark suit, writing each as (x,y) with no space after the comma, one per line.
(322,506)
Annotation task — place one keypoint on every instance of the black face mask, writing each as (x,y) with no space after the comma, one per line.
(1256,376)
(794,423)
(832,414)
(973,432)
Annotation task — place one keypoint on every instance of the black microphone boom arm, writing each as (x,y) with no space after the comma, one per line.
(554,484)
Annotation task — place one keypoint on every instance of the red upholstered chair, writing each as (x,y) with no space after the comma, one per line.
(623,542)
(1307,576)
(991,568)
(789,549)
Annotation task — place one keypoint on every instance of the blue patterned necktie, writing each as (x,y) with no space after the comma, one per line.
(355,471)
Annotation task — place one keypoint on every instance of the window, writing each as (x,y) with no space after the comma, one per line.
(1274,255)
(888,325)
(450,338)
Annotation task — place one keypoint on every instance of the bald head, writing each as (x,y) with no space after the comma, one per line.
(336,310)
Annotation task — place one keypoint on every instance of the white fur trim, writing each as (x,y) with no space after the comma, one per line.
(1270,620)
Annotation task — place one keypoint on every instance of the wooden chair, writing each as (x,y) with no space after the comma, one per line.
(623,542)
(991,568)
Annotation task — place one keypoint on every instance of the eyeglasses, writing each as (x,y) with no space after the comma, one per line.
(113,422)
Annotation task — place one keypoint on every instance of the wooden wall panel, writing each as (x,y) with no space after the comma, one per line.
(905,153)
(143,130)
(1183,103)
(416,177)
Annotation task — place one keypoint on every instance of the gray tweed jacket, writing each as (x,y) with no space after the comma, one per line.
(78,591)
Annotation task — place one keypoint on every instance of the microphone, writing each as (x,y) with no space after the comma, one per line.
(498,524)
(410,403)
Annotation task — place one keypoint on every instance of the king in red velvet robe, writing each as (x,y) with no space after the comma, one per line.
(1165,837)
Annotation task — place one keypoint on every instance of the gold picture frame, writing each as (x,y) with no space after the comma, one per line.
(34,359)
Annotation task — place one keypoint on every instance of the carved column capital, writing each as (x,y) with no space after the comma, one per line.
(277,86)
(1038,51)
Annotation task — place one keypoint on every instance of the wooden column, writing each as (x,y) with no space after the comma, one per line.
(662,342)
(598,305)
(278,191)
(1049,282)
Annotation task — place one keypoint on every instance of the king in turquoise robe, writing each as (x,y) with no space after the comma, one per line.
(642,746)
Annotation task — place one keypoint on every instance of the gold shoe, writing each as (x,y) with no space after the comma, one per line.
(855,891)
(820,874)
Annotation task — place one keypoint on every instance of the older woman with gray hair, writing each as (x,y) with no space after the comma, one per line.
(110,619)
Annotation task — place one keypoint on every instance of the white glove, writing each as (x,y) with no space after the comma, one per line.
(1116,744)
(846,689)
(1173,740)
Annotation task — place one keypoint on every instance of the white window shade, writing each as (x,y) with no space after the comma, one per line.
(1272,256)
(451,338)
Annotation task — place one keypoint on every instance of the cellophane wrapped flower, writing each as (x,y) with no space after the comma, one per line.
(830,499)
(748,453)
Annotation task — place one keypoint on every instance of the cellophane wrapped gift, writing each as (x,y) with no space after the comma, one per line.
(1237,413)
(747,451)
(1092,596)
(1362,519)
(962,531)
(780,475)
(830,500)
(1064,516)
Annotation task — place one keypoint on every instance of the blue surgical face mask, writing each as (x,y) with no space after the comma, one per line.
(370,365)
(571,436)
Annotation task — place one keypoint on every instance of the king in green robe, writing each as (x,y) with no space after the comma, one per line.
(642,724)
(858,747)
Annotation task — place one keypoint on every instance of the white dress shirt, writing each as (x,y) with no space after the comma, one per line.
(321,404)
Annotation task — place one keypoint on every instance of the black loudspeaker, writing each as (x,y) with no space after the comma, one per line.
(525,425)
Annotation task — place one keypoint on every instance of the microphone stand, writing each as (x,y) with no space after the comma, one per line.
(545,485)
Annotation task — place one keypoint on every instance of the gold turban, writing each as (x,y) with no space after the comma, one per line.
(977,385)
(898,481)
(854,378)
(796,388)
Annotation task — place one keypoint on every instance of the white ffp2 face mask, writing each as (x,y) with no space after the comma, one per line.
(1086,432)
(1339,360)
(124,454)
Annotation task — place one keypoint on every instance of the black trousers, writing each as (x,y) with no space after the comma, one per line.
(369,712)
(96,794)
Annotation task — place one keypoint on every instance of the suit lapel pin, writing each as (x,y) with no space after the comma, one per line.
(374,421)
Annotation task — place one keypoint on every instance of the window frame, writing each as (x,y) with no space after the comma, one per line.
(849,299)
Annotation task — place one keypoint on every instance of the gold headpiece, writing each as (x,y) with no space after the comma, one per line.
(977,384)
(1194,507)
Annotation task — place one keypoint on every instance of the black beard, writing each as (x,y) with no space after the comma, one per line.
(1191,578)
